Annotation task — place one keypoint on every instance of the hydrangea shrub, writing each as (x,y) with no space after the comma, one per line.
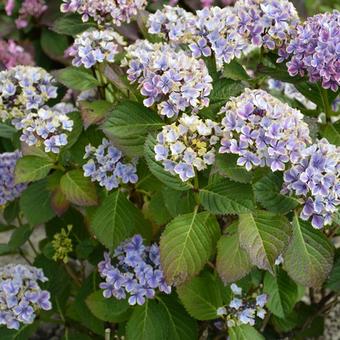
(168,170)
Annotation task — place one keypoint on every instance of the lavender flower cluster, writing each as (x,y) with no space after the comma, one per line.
(315,50)
(242,310)
(49,125)
(262,130)
(136,272)
(12,54)
(95,46)
(104,11)
(106,166)
(168,77)
(20,295)
(315,177)
(24,89)
(9,190)
(186,145)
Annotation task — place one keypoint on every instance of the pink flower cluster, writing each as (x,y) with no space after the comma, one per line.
(12,54)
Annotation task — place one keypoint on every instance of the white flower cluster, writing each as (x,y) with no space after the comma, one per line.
(187,145)
(95,46)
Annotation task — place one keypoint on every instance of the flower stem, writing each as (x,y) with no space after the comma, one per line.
(325,101)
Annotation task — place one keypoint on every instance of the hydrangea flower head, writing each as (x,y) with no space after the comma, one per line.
(20,295)
(171,79)
(314,177)
(104,11)
(106,165)
(9,191)
(24,89)
(186,145)
(262,131)
(30,9)
(315,50)
(47,125)
(242,309)
(135,273)
(95,46)
(12,54)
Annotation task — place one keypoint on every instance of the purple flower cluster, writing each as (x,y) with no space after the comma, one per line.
(168,77)
(104,11)
(242,310)
(315,178)
(106,166)
(262,130)
(315,50)
(12,54)
(186,145)
(48,125)
(136,272)
(20,295)
(30,9)
(95,46)
(24,89)
(9,190)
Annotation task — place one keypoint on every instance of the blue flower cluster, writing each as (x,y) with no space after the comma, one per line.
(48,125)
(24,89)
(95,46)
(315,177)
(106,166)
(9,190)
(104,11)
(315,50)
(262,130)
(242,310)
(186,145)
(136,273)
(168,77)
(20,295)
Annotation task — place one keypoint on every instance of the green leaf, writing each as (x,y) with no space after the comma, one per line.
(264,236)
(181,325)
(178,202)
(76,78)
(157,168)
(232,262)
(333,281)
(147,322)
(94,112)
(157,209)
(235,71)
(71,24)
(226,166)
(282,293)
(35,203)
(186,245)
(11,211)
(227,197)
(20,236)
(129,124)
(110,310)
(32,168)
(116,219)
(244,332)
(331,131)
(267,192)
(7,131)
(309,257)
(78,189)
(53,44)
(73,136)
(202,296)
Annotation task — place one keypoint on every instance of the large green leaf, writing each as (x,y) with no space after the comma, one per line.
(309,257)
(128,125)
(202,296)
(35,203)
(227,197)
(244,332)
(71,24)
(232,262)
(32,168)
(20,236)
(333,281)
(186,245)
(94,112)
(157,168)
(235,71)
(282,293)
(78,189)
(148,322)
(53,44)
(110,310)
(116,219)
(267,192)
(7,131)
(331,131)
(264,236)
